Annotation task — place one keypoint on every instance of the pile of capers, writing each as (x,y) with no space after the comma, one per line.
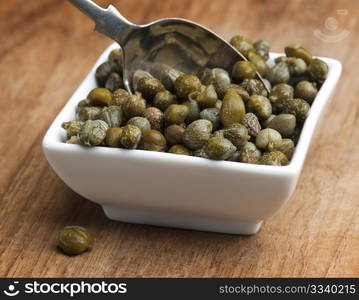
(212,114)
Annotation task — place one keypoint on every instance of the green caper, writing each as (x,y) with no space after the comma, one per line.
(212,115)
(176,114)
(179,149)
(74,240)
(193,110)
(113,136)
(243,70)
(99,97)
(265,123)
(237,134)
(261,47)
(233,109)
(280,92)
(251,122)
(88,113)
(186,84)
(297,107)
(163,99)
(93,133)
(155,117)
(103,71)
(219,148)
(206,98)
(141,123)
(318,70)
(249,156)
(119,97)
(74,140)
(242,44)
(197,134)
(259,63)
(284,124)
(279,73)
(200,153)
(260,106)
(240,90)
(306,90)
(134,106)
(274,158)
(268,139)
(166,74)
(254,87)
(115,56)
(287,147)
(130,137)
(114,82)
(297,50)
(296,66)
(217,77)
(73,127)
(153,140)
(137,76)
(149,87)
(112,115)
(174,134)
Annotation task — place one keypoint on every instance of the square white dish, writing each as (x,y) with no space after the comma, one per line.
(164,189)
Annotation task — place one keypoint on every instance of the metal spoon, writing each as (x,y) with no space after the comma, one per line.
(164,45)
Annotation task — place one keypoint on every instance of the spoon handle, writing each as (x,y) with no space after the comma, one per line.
(108,21)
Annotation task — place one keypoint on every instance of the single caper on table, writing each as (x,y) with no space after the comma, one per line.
(74,240)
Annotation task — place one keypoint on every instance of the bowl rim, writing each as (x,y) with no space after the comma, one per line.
(53,139)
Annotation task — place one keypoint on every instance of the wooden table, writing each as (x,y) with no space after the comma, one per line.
(46,49)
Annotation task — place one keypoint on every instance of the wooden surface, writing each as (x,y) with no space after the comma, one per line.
(46,49)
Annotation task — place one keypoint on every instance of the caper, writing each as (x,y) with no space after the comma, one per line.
(113,136)
(193,111)
(174,134)
(259,63)
(212,115)
(93,132)
(268,139)
(242,44)
(297,50)
(114,82)
(243,70)
(284,124)
(134,106)
(149,87)
(112,115)
(218,104)
(163,99)
(261,47)
(200,153)
(137,76)
(237,134)
(217,77)
(130,137)
(74,240)
(318,70)
(297,107)
(251,122)
(88,113)
(74,140)
(219,148)
(274,158)
(233,109)
(115,56)
(103,71)
(176,114)
(153,140)
(287,147)
(186,84)
(155,117)
(306,90)
(296,66)
(234,156)
(119,97)
(278,94)
(197,134)
(99,97)
(141,123)
(265,123)
(240,90)
(260,106)
(73,127)
(179,149)
(249,156)
(206,98)
(166,74)
(254,87)
(279,73)
(279,59)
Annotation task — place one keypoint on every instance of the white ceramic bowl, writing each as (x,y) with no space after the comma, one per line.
(178,191)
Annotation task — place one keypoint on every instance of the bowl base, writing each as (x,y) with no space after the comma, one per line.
(175,220)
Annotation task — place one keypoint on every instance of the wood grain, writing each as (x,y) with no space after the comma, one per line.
(47,47)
